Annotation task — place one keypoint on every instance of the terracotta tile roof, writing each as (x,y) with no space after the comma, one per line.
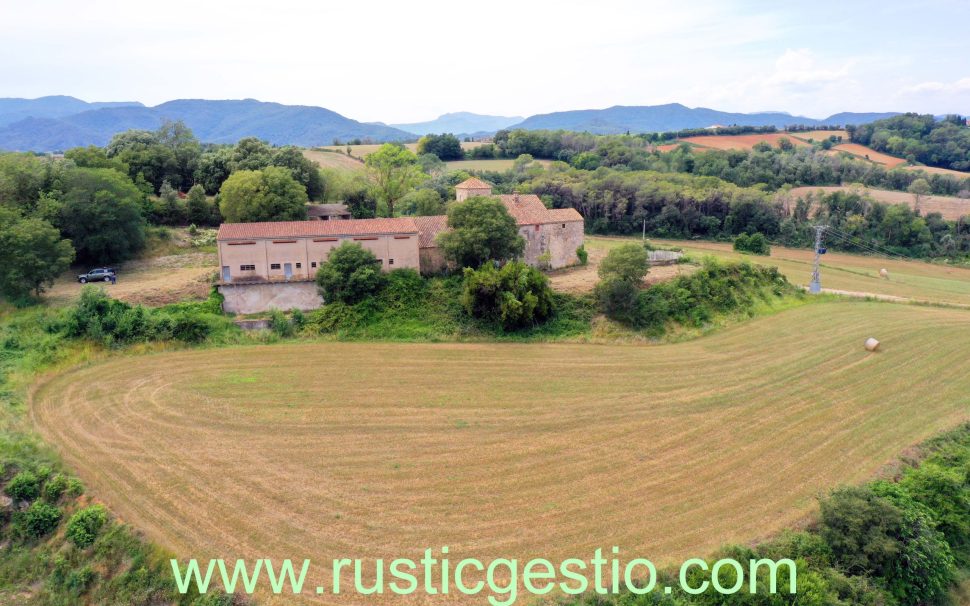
(429,228)
(297,229)
(563,215)
(473,183)
(527,209)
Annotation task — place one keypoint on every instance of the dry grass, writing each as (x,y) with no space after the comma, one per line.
(335,160)
(818,136)
(157,281)
(742,141)
(507,450)
(950,207)
(581,279)
(870,154)
(910,280)
(936,170)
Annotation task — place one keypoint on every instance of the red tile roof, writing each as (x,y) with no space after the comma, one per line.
(307,229)
(473,183)
(563,215)
(429,228)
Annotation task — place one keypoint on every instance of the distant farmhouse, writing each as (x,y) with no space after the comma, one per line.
(273,265)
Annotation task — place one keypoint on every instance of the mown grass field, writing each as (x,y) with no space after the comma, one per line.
(380,450)
(912,280)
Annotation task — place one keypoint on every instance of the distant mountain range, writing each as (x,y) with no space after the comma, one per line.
(674,116)
(461,123)
(48,124)
(58,123)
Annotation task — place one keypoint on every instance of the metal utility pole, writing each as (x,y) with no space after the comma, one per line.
(815,286)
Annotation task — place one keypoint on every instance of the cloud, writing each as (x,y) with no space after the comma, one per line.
(958,86)
(799,70)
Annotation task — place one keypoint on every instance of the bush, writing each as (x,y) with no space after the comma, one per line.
(38,520)
(582,255)
(755,244)
(54,488)
(111,322)
(25,486)
(280,324)
(351,274)
(84,525)
(514,296)
(628,262)
(619,300)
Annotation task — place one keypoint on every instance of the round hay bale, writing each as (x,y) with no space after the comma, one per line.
(871,344)
(884,273)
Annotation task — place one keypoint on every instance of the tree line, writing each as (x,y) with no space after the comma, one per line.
(919,138)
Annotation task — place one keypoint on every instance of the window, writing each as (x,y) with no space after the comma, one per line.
(299,265)
(274,266)
(313,264)
(247,268)
(537,228)
(564,226)
(390,261)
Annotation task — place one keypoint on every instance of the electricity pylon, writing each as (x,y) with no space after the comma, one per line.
(815,286)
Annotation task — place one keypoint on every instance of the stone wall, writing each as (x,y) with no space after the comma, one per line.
(559,240)
(433,261)
(257,298)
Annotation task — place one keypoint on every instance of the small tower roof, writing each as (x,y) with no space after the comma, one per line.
(473,183)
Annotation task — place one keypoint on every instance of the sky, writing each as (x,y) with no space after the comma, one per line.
(411,61)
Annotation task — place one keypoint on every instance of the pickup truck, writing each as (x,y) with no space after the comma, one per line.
(99,274)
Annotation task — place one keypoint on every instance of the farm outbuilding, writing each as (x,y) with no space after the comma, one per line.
(273,264)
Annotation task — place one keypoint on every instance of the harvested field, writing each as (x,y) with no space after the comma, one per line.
(337,160)
(820,135)
(157,281)
(870,154)
(936,170)
(506,450)
(950,207)
(741,141)
(911,280)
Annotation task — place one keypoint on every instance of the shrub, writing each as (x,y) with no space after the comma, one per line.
(25,486)
(627,262)
(84,525)
(38,520)
(619,300)
(514,296)
(351,274)
(755,244)
(582,255)
(279,324)
(54,488)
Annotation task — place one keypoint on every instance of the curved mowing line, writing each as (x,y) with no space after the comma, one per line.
(547,450)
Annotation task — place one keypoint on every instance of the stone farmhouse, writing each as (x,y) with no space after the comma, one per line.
(273,264)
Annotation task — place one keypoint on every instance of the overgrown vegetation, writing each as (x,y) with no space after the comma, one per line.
(756,244)
(513,296)
(692,300)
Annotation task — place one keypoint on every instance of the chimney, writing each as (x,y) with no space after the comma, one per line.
(515,196)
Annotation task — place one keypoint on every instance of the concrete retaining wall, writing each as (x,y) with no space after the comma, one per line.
(256,298)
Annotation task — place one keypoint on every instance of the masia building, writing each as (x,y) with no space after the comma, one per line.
(273,264)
